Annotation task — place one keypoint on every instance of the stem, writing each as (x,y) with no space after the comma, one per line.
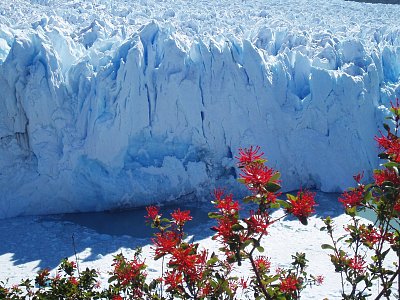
(76,256)
(390,281)
(330,232)
(380,262)
(281,217)
(357,246)
(259,281)
(398,273)
(162,275)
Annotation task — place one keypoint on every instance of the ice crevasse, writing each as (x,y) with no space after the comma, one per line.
(157,118)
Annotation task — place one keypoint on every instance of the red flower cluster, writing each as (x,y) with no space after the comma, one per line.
(357,264)
(289,285)
(381,176)
(262,263)
(189,262)
(181,217)
(257,176)
(391,146)
(228,216)
(173,279)
(73,281)
(302,206)
(165,242)
(319,279)
(249,155)
(369,235)
(254,173)
(396,207)
(352,198)
(152,212)
(128,271)
(226,205)
(258,223)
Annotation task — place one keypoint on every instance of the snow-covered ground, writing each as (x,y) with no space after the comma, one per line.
(30,243)
(109,104)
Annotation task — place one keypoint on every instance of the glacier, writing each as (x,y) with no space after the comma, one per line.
(111,105)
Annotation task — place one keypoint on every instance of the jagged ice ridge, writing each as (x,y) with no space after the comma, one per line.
(118,104)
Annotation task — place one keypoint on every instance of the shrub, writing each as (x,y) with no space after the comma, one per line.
(372,252)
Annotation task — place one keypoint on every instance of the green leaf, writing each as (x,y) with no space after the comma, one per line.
(368,196)
(260,249)
(276,176)
(303,220)
(272,187)
(237,227)
(241,180)
(213,215)
(291,197)
(283,203)
(112,278)
(351,211)
(327,246)
(360,278)
(249,199)
(391,164)
(275,205)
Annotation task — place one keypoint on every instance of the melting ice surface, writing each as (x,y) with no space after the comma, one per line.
(110,104)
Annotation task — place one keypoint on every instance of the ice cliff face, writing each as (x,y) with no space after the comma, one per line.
(102,119)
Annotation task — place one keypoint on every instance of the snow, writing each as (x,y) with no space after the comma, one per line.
(113,104)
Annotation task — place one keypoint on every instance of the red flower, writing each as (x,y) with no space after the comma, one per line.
(319,279)
(42,277)
(173,279)
(258,223)
(206,291)
(289,284)
(396,207)
(391,145)
(271,197)
(73,281)
(358,177)
(226,206)
(181,217)
(117,297)
(352,198)
(257,176)
(243,283)
(128,271)
(165,242)
(381,176)
(369,235)
(357,264)
(224,229)
(152,212)
(187,261)
(249,155)
(262,264)
(302,206)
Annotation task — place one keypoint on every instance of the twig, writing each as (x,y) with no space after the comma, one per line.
(76,256)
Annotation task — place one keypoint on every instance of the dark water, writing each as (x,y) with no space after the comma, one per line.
(132,222)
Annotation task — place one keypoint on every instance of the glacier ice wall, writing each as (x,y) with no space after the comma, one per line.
(95,124)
